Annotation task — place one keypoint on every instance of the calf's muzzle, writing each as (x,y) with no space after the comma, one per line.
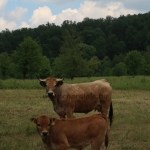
(44,133)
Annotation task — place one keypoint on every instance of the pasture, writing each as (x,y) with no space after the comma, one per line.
(130,129)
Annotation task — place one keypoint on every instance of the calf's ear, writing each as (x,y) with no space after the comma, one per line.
(52,121)
(33,120)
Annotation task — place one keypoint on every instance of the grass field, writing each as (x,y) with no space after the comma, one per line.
(118,83)
(130,129)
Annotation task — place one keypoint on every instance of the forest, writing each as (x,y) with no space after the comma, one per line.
(94,47)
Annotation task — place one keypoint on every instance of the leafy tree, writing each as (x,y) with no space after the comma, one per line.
(148,39)
(120,69)
(107,72)
(70,66)
(45,68)
(146,70)
(105,63)
(117,59)
(100,45)
(28,58)
(111,44)
(130,39)
(4,65)
(70,62)
(94,64)
(133,62)
(119,48)
(87,51)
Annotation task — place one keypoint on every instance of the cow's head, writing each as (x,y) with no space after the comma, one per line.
(43,124)
(50,84)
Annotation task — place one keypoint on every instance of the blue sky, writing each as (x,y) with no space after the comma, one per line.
(16,14)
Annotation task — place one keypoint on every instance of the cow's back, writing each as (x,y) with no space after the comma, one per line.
(84,97)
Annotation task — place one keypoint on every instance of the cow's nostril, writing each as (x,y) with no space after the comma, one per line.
(44,133)
(50,93)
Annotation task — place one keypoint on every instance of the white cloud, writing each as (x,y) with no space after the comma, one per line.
(93,10)
(59,2)
(7,24)
(68,14)
(97,10)
(24,25)
(17,13)
(42,15)
(2,4)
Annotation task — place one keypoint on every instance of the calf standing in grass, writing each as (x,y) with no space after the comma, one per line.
(61,134)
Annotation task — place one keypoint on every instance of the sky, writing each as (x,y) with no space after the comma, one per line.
(17,14)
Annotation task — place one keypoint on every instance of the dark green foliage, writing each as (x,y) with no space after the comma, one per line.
(100,45)
(87,51)
(93,64)
(120,69)
(4,65)
(107,72)
(146,70)
(105,63)
(70,62)
(28,58)
(45,68)
(146,65)
(134,62)
(109,37)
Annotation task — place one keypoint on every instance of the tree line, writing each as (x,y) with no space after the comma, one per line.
(93,47)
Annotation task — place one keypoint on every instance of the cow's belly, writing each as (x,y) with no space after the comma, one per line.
(85,105)
(79,145)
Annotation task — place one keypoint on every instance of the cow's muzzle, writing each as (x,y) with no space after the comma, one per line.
(51,93)
(45,133)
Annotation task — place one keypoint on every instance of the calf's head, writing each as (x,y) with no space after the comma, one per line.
(51,84)
(43,125)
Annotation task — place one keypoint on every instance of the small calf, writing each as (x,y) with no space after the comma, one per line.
(61,134)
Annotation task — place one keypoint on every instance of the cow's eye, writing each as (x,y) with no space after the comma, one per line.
(38,124)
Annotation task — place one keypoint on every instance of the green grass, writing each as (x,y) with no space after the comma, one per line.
(118,83)
(130,129)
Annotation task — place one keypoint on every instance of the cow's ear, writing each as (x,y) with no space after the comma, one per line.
(59,82)
(33,120)
(52,121)
(43,83)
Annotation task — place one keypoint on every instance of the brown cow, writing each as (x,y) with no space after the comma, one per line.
(79,98)
(61,134)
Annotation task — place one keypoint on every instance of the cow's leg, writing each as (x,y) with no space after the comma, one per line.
(62,147)
(97,143)
(62,116)
(69,112)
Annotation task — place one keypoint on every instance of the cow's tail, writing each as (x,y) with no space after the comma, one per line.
(106,140)
(111,113)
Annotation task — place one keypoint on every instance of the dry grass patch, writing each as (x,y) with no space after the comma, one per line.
(130,129)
